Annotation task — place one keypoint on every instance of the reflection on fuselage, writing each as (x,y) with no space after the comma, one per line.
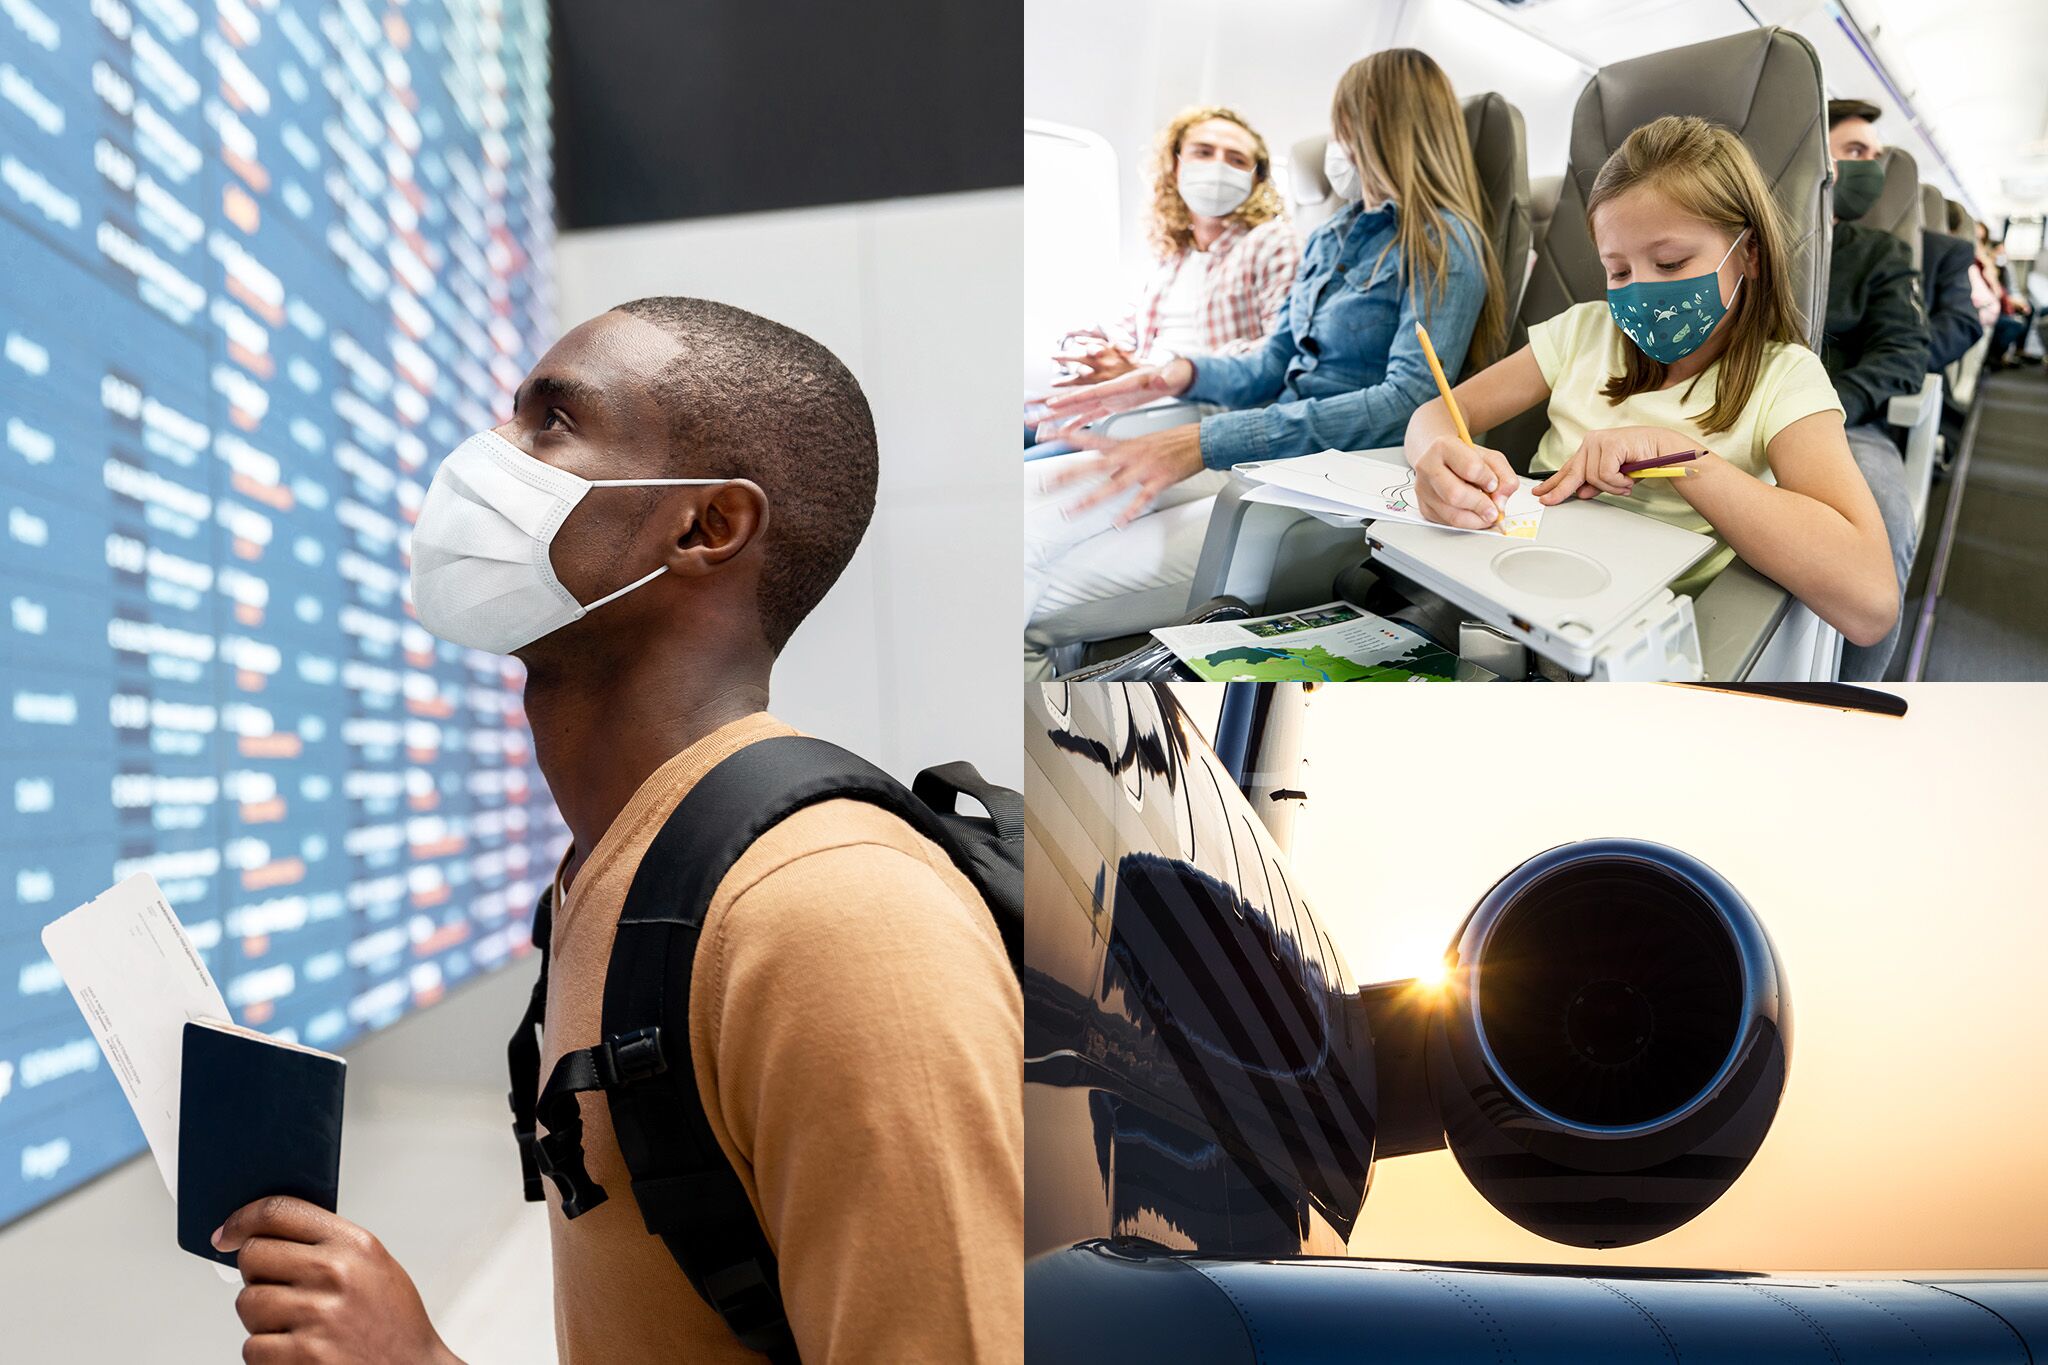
(1176,979)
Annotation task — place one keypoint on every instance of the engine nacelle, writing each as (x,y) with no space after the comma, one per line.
(1612,1043)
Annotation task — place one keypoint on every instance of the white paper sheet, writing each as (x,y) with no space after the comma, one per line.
(1375,489)
(137,978)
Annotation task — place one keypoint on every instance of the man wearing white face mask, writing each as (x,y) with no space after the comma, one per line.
(1224,252)
(678,485)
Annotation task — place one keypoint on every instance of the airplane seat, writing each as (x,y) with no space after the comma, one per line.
(1766,85)
(1309,196)
(1933,208)
(1898,211)
(1543,192)
(1962,374)
(1500,150)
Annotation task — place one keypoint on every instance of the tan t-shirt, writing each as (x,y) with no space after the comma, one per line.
(858,1039)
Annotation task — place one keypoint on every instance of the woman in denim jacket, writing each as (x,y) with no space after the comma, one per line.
(1342,370)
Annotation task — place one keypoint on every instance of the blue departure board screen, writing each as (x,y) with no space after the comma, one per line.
(262,263)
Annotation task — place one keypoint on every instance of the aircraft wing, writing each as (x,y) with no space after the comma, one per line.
(1132,1302)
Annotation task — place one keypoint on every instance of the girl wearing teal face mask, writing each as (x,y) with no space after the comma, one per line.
(1697,347)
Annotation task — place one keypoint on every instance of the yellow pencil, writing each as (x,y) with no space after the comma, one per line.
(1669,472)
(1443,386)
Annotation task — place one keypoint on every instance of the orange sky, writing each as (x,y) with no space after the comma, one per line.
(1895,864)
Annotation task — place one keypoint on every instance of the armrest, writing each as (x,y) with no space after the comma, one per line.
(1920,414)
(1737,614)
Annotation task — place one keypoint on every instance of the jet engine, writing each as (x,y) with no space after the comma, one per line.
(1611,1043)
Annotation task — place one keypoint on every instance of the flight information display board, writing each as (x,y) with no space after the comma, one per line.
(262,262)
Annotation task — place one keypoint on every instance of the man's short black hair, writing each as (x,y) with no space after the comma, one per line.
(1841,109)
(751,399)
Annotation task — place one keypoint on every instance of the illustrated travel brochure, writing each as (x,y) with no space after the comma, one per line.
(1335,642)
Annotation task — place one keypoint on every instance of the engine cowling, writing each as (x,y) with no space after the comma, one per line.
(1612,1044)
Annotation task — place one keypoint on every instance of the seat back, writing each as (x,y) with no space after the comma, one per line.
(1493,129)
(1765,85)
(1897,210)
(1543,192)
(1960,223)
(1308,190)
(1933,209)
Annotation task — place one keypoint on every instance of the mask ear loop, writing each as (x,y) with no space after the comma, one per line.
(1739,278)
(649,483)
(612,596)
(659,570)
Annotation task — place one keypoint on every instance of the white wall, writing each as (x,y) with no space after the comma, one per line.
(911,660)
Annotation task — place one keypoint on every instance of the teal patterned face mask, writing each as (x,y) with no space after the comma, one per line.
(1670,319)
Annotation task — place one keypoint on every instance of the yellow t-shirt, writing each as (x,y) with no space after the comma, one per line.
(1581,348)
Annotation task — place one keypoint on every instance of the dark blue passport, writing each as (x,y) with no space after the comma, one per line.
(256,1117)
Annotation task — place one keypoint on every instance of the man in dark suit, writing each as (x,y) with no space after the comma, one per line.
(1952,323)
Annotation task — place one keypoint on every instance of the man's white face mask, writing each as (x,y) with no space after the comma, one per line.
(481,576)
(1213,188)
(1338,170)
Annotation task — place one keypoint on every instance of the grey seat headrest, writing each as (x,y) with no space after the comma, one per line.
(1543,191)
(1309,196)
(1933,209)
(1897,210)
(1765,85)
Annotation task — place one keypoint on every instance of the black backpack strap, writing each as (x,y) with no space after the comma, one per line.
(522,1053)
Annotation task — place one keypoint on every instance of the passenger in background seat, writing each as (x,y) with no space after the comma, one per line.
(1875,349)
(1343,369)
(1225,257)
(1696,348)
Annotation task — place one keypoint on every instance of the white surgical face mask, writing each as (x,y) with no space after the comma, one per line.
(481,576)
(1338,170)
(1213,188)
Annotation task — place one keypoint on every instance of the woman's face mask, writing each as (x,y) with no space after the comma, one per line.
(1670,319)
(481,574)
(1338,170)
(1213,188)
(1857,186)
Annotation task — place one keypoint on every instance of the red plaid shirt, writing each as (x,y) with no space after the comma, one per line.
(1249,274)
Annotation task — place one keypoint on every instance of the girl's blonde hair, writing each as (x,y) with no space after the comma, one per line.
(1171,230)
(1707,172)
(1397,116)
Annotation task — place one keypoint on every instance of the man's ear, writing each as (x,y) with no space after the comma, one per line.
(711,530)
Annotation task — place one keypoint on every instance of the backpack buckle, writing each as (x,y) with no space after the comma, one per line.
(559,1157)
(529,1160)
(629,1058)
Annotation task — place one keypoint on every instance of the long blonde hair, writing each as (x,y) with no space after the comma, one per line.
(1171,230)
(1396,114)
(1707,172)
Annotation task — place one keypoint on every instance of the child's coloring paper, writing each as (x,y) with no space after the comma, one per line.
(1375,489)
